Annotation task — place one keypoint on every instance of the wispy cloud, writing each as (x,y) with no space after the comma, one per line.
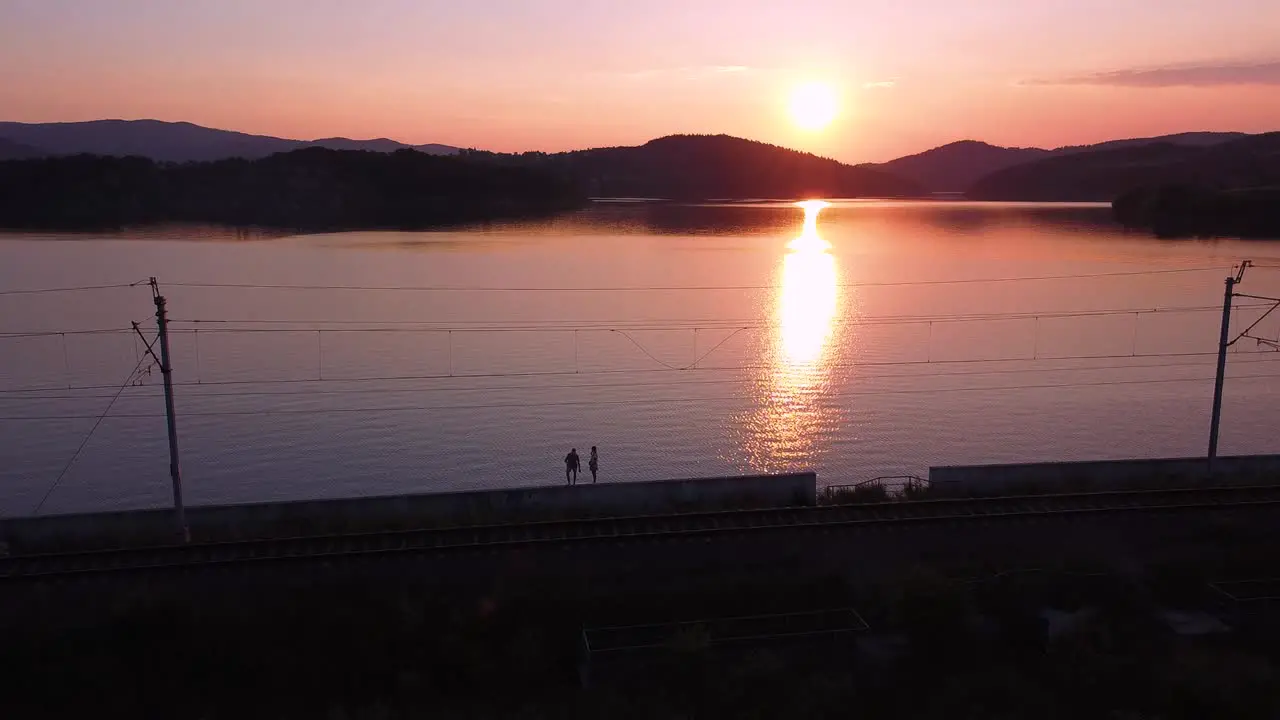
(728,68)
(1198,75)
(879,84)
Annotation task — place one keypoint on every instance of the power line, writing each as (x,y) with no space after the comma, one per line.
(79,288)
(62,333)
(672,288)
(737,321)
(624,371)
(482,326)
(493,326)
(648,401)
(1268,357)
(75,397)
(92,430)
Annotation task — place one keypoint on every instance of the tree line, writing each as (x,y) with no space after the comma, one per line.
(307,189)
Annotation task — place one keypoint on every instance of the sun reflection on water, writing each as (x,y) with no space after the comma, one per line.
(782,431)
(807,295)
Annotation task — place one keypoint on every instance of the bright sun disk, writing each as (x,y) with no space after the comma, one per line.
(814,105)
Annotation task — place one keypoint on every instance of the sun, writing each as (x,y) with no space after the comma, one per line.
(814,105)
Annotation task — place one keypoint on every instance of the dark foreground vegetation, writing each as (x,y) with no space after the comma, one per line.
(1189,211)
(1067,642)
(310,189)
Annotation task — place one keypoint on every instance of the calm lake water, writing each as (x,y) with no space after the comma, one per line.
(867,339)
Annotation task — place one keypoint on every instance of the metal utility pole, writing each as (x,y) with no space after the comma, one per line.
(1223,343)
(166,371)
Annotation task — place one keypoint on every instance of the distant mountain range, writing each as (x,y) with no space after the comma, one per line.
(169,141)
(687,167)
(956,167)
(10,150)
(1188,139)
(1102,175)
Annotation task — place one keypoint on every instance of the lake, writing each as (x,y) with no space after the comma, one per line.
(865,339)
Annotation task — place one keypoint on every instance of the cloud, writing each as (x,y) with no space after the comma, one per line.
(1200,75)
(880,84)
(728,68)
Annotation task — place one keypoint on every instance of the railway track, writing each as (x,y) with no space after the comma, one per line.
(637,527)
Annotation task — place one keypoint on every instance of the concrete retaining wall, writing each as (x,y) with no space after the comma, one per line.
(1103,475)
(321,517)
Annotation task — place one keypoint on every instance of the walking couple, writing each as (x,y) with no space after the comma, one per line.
(573,463)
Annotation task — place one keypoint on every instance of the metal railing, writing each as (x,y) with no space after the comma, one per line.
(878,489)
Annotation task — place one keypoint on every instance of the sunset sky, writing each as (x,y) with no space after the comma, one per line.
(565,74)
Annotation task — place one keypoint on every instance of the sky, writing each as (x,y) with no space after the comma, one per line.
(513,75)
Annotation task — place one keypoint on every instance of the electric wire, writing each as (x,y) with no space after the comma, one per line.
(633,402)
(78,288)
(675,288)
(97,423)
(198,395)
(623,371)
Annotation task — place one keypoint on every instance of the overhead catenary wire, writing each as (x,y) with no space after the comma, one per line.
(624,371)
(675,288)
(779,393)
(626,330)
(477,326)
(77,288)
(97,423)
(641,401)
(1266,357)
(495,326)
(694,325)
(57,333)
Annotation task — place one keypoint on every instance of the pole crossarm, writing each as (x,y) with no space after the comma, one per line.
(1245,333)
(1273,344)
(148,345)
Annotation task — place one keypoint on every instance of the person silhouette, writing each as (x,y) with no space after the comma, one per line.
(571,465)
(593,464)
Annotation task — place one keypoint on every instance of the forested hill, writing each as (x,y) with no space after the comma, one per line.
(309,189)
(1251,161)
(954,167)
(705,167)
(10,150)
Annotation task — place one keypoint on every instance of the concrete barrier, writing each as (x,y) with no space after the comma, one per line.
(369,514)
(1100,475)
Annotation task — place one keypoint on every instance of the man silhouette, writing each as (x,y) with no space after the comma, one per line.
(571,465)
(593,464)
